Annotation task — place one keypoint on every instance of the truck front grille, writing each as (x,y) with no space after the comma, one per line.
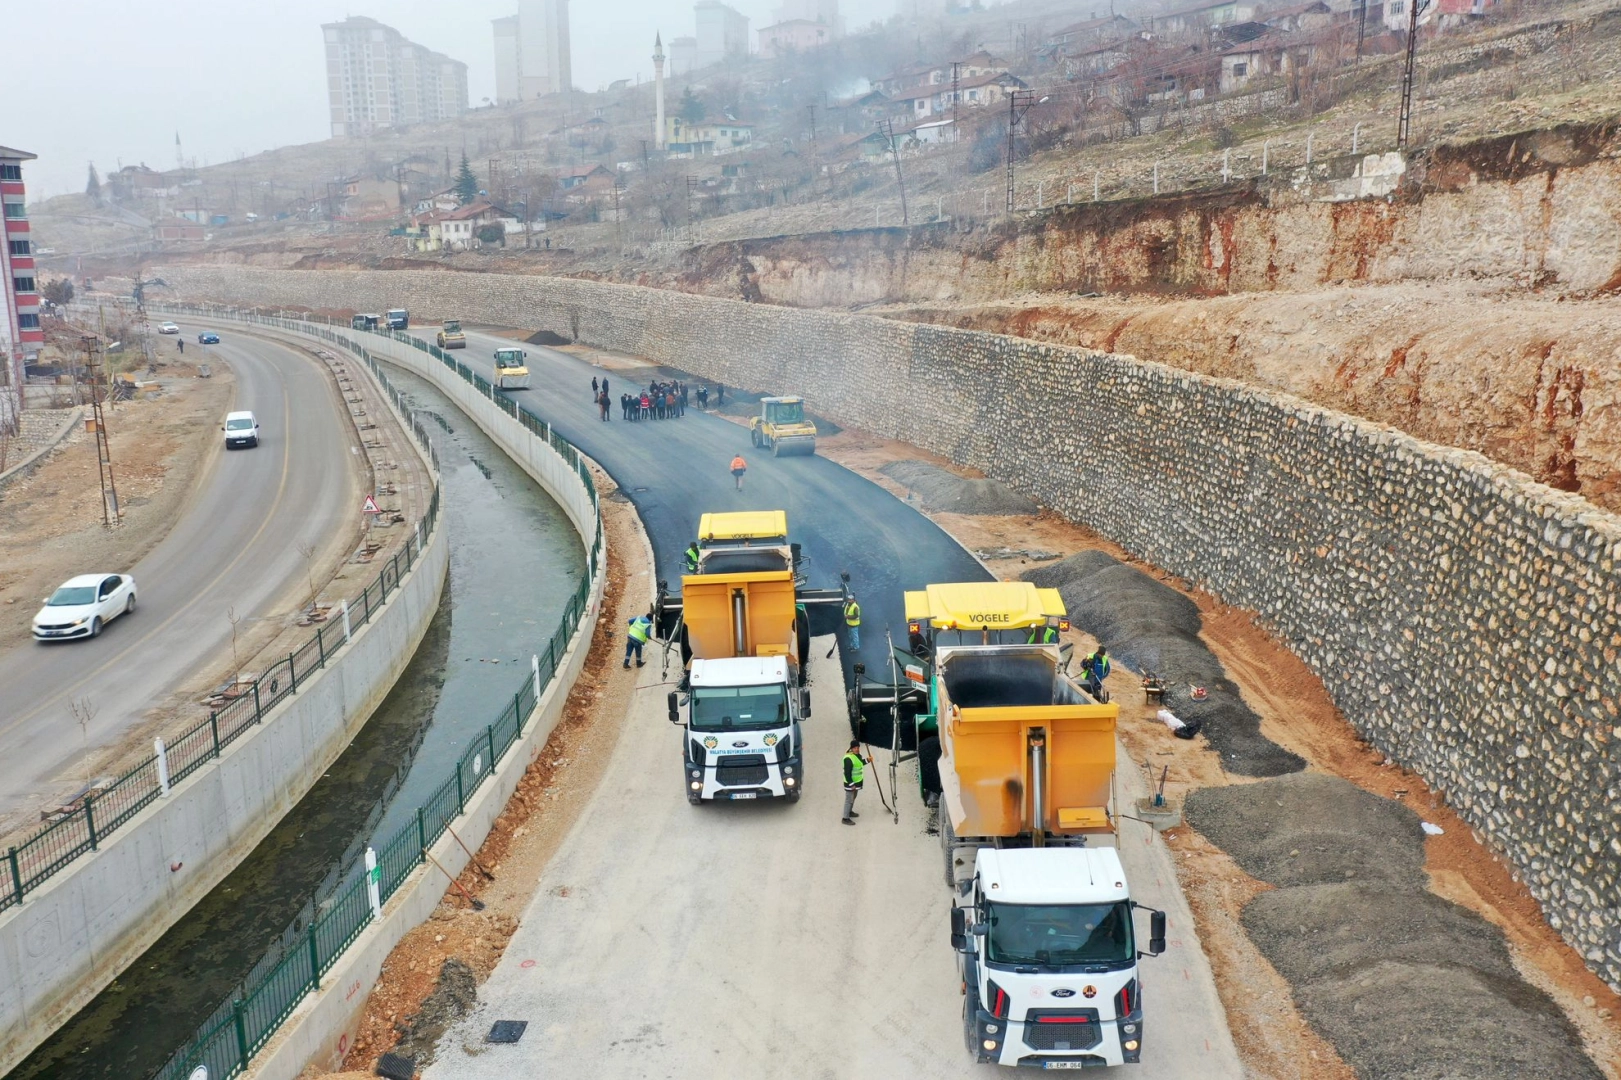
(747,770)
(1062,1031)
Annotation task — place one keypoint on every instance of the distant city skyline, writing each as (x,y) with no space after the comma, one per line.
(111,82)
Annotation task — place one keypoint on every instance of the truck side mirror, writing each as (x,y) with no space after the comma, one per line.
(959,928)
(675,707)
(1156,933)
(804,703)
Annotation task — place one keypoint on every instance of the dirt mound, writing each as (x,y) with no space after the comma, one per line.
(1312,829)
(453,996)
(546,337)
(943,490)
(1403,983)
(1149,626)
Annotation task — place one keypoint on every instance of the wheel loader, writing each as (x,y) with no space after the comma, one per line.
(782,428)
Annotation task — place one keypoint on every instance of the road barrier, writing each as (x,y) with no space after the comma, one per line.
(226,1043)
(82,829)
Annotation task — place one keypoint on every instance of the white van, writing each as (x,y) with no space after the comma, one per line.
(241,429)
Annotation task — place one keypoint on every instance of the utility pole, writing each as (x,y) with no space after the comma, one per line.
(111,514)
(692,203)
(1019,102)
(956,78)
(619,236)
(888,128)
(1361,26)
(812,110)
(1405,123)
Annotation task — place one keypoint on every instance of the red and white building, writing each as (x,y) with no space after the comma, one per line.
(21,336)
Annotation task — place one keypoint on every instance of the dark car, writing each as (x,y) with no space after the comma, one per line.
(208,337)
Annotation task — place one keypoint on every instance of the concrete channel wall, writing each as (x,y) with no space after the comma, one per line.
(73,935)
(323,1026)
(1465,619)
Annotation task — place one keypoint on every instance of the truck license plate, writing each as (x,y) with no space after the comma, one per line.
(1064,1065)
(744,795)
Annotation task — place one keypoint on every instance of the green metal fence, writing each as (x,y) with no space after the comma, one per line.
(26,866)
(246,1021)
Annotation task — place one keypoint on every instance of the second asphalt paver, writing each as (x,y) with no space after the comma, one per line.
(765,939)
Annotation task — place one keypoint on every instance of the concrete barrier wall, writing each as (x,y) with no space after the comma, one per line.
(324,1025)
(73,935)
(1465,619)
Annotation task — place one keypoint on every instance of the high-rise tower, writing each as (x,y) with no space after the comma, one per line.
(658,91)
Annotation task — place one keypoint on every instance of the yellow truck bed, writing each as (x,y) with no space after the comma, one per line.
(769,613)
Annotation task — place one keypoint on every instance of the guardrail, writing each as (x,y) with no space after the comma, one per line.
(28,865)
(242,1025)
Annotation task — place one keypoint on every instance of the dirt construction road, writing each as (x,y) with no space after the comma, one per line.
(760,939)
(234,547)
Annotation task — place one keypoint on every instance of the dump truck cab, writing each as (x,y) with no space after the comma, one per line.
(1019,761)
(398,319)
(742,627)
(511,371)
(782,427)
(450,335)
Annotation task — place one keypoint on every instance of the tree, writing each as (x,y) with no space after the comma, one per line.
(692,108)
(92,187)
(59,292)
(492,234)
(466,183)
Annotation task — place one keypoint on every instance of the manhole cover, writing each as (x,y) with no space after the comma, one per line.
(506,1031)
(396,1067)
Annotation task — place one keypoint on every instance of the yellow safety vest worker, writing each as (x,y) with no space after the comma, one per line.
(855,769)
(640,628)
(1045,635)
(692,559)
(852,614)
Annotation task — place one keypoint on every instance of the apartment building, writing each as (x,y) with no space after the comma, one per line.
(20,334)
(722,32)
(377,79)
(532,51)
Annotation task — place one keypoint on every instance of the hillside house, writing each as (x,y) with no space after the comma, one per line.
(1272,55)
(684,140)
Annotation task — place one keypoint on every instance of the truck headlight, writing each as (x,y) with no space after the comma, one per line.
(991,1029)
(697,786)
(989,1044)
(1129,1029)
(788,781)
(693,773)
(787,770)
(1130,1045)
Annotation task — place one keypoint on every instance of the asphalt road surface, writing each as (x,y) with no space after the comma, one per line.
(763,939)
(676,470)
(236,546)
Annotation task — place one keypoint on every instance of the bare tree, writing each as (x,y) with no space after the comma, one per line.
(84,710)
(307,550)
(233,618)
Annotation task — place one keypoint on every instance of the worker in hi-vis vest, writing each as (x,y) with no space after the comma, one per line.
(692,557)
(855,771)
(852,620)
(641,628)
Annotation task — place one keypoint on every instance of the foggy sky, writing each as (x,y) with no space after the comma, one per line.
(112,81)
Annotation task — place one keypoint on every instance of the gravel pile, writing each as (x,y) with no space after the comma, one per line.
(452,998)
(943,490)
(1403,983)
(1149,626)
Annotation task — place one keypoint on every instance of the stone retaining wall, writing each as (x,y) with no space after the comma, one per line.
(1462,616)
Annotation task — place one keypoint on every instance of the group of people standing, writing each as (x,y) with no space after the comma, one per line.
(658,401)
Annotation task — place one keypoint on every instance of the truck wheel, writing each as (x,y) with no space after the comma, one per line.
(970,1009)
(754,437)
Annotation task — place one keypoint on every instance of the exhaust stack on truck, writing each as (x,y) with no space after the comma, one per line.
(743,628)
(1020,762)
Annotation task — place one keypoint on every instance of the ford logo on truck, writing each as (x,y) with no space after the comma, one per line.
(1064,993)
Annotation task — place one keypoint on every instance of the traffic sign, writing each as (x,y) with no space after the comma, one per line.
(370,507)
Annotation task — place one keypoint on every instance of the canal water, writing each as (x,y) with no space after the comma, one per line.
(514,562)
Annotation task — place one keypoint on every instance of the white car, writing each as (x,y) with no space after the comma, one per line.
(83,605)
(168,328)
(241,429)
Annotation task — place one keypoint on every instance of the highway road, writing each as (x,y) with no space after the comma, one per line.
(756,939)
(235,546)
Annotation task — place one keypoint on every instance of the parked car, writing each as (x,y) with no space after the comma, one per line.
(241,429)
(168,328)
(208,337)
(83,605)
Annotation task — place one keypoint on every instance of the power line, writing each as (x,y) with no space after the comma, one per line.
(1019,102)
(1405,122)
(888,128)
